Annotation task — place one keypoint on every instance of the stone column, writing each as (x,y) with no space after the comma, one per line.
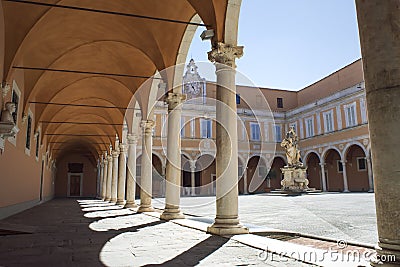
(101,174)
(109,177)
(345,184)
(131,177)
(380,45)
(226,220)
(98,178)
(105,172)
(322,165)
(173,169)
(370,179)
(122,174)
(147,172)
(193,178)
(114,183)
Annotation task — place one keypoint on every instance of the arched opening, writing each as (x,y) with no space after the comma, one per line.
(357,171)
(205,165)
(186,176)
(275,173)
(256,175)
(158,177)
(241,173)
(334,171)
(313,171)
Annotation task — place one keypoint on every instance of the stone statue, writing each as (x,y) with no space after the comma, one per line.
(6,115)
(290,143)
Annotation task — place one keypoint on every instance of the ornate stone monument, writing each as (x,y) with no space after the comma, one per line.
(295,176)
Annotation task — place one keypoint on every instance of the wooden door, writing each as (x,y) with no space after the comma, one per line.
(75,186)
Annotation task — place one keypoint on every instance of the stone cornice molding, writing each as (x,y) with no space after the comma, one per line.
(225,54)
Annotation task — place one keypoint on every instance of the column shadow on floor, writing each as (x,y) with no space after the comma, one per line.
(194,255)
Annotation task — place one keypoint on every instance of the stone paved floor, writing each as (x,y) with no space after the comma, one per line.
(93,233)
(347,216)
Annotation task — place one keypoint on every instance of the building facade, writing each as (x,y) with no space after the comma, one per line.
(329,116)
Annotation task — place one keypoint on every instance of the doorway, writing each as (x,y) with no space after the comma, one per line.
(75,181)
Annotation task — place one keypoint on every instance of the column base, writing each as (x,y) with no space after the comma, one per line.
(130,205)
(120,202)
(113,200)
(225,229)
(172,214)
(388,255)
(346,191)
(145,209)
(107,199)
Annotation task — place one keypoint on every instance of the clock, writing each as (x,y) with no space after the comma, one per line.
(192,88)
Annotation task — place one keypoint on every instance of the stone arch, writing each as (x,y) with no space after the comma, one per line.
(324,153)
(308,153)
(312,161)
(356,168)
(348,145)
(275,174)
(333,174)
(232,22)
(256,174)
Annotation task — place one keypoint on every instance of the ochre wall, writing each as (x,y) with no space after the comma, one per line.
(89,175)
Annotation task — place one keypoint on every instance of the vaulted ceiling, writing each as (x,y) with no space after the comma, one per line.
(93,53)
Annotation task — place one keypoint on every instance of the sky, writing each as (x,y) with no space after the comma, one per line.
(290,44)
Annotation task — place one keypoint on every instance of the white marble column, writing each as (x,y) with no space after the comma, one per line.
(345,183)
(114,183)
(122,174)
(245,190)
(323,178)
(193,177)
(147,167)
(109,176)
(173,168)
(226,220)
(370,178)
(101,175)
(98,178)
(131,176)
(105,172)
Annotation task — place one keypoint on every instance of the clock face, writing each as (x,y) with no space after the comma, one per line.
(193,88)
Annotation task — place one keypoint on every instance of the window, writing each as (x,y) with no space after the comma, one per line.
(182,127)
(205,130)
(15,99)
(309,127)
(28,133)
(37,144)
(328,119)
(339,166)
(350,112)
(361,164)
(238,99)
(255,131)
(278,133)
(279,102)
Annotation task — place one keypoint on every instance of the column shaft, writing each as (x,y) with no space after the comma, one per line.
(370,178)
(114,184)
(226,220)
(105,172)
(245,190)
(323,178)
(109,177)
(173,168)
(101,178)
(147,172)
(380,45)
(345,184)
(121,175)
(131,177)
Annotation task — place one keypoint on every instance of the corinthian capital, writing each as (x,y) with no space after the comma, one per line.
(225,54)
(174,99)
(147,126)
(132,139)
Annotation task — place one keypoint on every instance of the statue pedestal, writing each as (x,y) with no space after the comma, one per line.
(294,179)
